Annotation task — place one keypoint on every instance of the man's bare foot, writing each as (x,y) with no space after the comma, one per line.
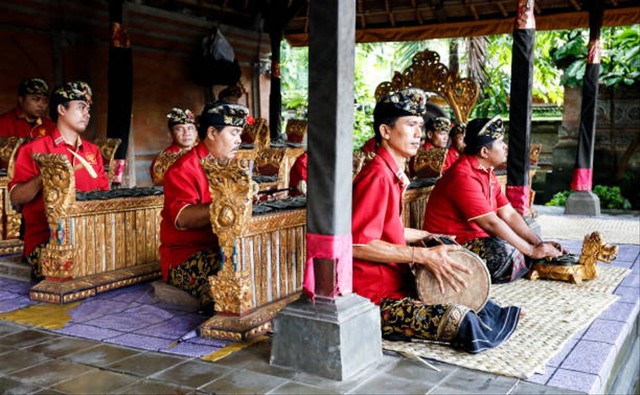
(523,313)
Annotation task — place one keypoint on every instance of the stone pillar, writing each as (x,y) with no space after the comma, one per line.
(583,201)
(518,189)
(330,332)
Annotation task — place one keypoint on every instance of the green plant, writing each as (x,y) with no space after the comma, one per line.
(559,199)
(611,197)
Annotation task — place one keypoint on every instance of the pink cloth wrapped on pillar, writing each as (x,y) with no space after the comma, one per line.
(339,248)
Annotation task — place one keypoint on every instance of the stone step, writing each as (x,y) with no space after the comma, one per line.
(11,266)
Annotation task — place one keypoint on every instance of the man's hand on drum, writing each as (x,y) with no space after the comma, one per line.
(547,249)
(438,262)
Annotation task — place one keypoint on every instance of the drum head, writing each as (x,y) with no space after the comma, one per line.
(476,294)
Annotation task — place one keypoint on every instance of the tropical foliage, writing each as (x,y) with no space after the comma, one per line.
(619,63)
(559,60)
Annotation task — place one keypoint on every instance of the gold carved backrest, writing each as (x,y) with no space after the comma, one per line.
(296,130)
(534,153)
(108,147)
(427,73)
(8,149)
(428,163)
(360,159)
(257,134)
(232,191)
(58,185)
(163,161)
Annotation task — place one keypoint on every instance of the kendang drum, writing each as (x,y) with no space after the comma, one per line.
(474,296)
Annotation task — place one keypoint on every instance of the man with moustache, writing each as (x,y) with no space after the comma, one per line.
(189,249)
(70,110)
(184,136)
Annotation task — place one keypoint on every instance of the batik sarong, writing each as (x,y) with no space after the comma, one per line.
(504,261)
(34,261)
(193,274)
(451,324)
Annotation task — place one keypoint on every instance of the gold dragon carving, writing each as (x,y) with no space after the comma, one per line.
(428,163)
(163,161)
(8,149)
(231,191)
(360,159)
(594,249)
(59,193)
(108,147)
(427,73)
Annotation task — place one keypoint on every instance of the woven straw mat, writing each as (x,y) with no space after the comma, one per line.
(555,312)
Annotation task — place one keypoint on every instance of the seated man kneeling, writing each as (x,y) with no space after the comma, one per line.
(468,203)
(183,132)
(70,107)
(437,131)
(189,249)
(382,259)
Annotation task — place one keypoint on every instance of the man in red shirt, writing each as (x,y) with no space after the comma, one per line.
(28,119)
(189,249)
(382,259)
(298,173)
(468,203)
(184,136)
(437,131)
(457,138)
(70,106)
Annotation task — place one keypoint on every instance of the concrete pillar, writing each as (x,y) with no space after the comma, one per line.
(330,332)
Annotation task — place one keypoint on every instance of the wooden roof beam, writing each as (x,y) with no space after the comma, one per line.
(414,4)
(363,17)
(575,4)
(387,8)
(502,9)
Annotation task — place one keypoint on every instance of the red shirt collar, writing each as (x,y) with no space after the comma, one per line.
(386,157)
(477,165)
(58,139)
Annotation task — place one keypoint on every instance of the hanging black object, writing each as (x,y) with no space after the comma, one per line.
(215,62)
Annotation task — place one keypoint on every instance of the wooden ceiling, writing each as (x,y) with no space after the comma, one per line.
(410,20)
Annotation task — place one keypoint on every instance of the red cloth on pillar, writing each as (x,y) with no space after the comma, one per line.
(338,247)
(582,180)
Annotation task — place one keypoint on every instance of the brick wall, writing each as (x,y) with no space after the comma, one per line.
(68,40)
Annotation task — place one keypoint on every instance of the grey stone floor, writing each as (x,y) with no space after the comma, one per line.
(43,362)
(37,361)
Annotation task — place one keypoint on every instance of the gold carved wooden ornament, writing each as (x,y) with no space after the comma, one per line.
(427,73)
(594,249)
(232,192)
(163,161)
(59,193)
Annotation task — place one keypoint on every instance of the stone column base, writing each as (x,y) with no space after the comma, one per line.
(583,203)
(330,338)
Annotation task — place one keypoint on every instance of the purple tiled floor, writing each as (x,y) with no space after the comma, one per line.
(585,362)
(128,317)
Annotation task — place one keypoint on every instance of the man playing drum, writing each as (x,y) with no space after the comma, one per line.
(468,203)
(382,260)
